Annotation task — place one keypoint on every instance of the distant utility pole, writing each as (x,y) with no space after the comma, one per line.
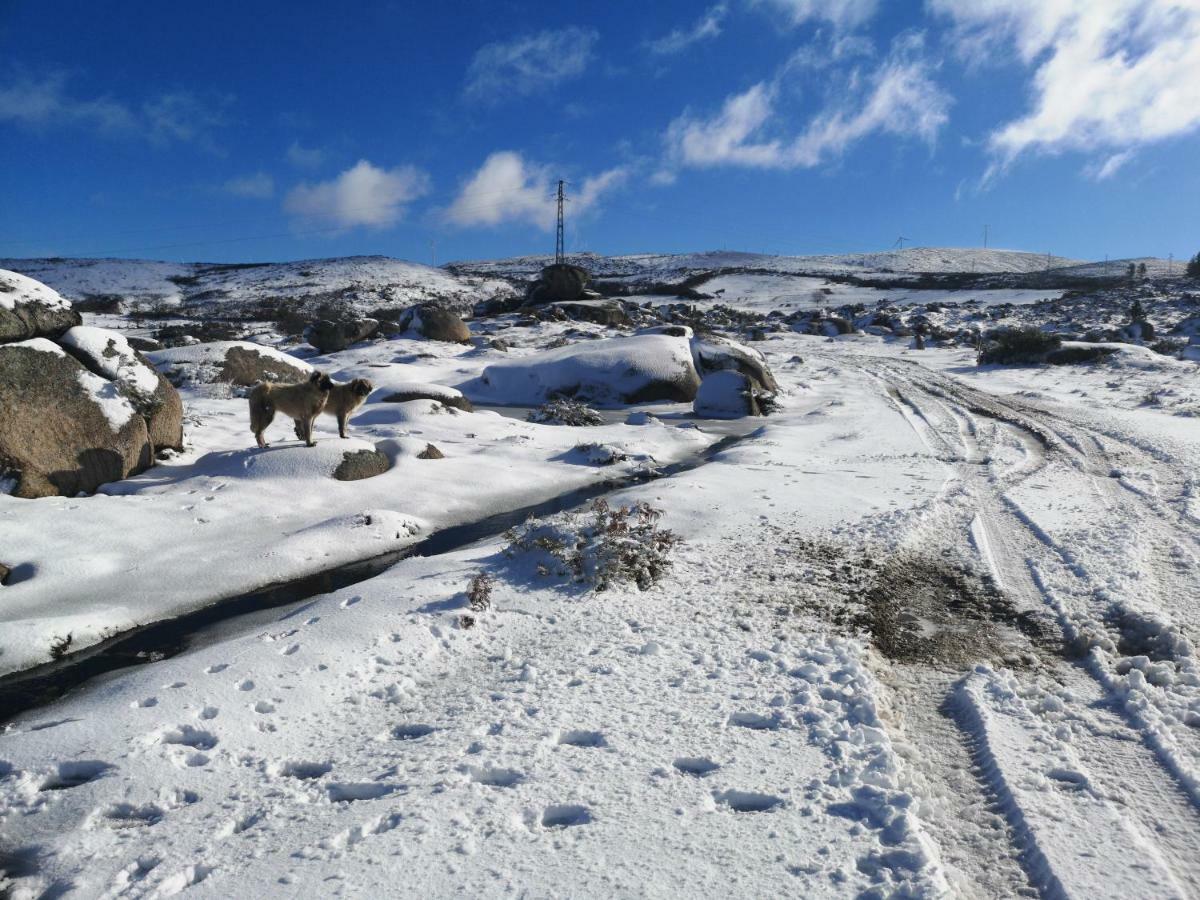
(1170,264)
(1047,260)
(985,235)
(899,242)
(558,240)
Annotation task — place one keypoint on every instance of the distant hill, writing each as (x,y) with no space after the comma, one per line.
(360,283)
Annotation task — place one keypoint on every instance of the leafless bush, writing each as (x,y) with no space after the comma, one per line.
(605,546)
(479,592)
(564,411)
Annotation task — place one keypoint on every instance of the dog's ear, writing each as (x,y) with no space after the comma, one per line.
(316,376)
(325,383)
(362,387)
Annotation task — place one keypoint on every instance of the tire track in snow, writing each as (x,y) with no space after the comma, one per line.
(1126,765)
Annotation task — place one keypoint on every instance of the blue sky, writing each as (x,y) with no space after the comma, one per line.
(268,130)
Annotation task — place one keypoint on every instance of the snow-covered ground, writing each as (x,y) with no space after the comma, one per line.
(929,631)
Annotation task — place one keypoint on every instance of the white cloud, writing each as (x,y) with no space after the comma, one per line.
(1103,169)
(304,157)
(506,188)
(530,63)
(839,13)
(899,97)
(177,117)
(1110,75)
(362,195)
(259,186)
(708,26)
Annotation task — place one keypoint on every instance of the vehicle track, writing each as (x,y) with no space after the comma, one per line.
(967,428)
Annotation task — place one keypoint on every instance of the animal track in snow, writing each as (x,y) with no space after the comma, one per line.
(71,774)
(754,721)
(411,731)
(565,816)
(264,707)
(696,765)
(126,815)
(582,739)
(299,768)
(208,712)
(289,649)
(219,667)
(747,801)
(144,703)
(494,777)
(189,736)
(245,685)
(344,792)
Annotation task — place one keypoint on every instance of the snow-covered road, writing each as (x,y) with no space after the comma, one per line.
(926,635)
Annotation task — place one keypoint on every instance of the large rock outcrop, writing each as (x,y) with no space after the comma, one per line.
(612,371)
(436,323)
(729,394)
(240,363)
(559,283)
(718,354)
(330,336)
(64,429)
(447,396)
(109,355)
(29,309)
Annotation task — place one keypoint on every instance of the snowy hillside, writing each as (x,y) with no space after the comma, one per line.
(914,260)
(359,282)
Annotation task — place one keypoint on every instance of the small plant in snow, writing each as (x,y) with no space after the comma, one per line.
(564,411)
(479,592)
(59,648)
(605,546)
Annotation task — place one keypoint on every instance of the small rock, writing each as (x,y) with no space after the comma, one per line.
(431,452)
(359,464)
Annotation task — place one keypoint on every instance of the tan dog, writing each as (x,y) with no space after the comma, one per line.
(303,402)
(344,399)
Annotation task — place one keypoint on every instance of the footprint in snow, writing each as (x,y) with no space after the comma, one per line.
(754,721)
(219,667)
(188,736)
(67,775)
(144,703)
(696,765)
(494,777)
(208,712)
(582,739)
(264,707)
(289,649)
(299,768)
(747,801)
(346,792)
(565,815)
(245,685)
(411,731)
(350,601)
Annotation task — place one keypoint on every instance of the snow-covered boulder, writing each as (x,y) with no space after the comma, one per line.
(414,390)
(29,309)
(108,354)
(436,323)
(330,337)
(64,429)
(558,282)
(230,362)
(611,371)
(716,354)
(729,394)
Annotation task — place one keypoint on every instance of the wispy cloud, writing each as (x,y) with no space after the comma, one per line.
(1109,76)
(304,157)
(706,27)
(529,64)
(899,97)
(258,186)
(362,195)
(174,117)
(839,13)
(507,188)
